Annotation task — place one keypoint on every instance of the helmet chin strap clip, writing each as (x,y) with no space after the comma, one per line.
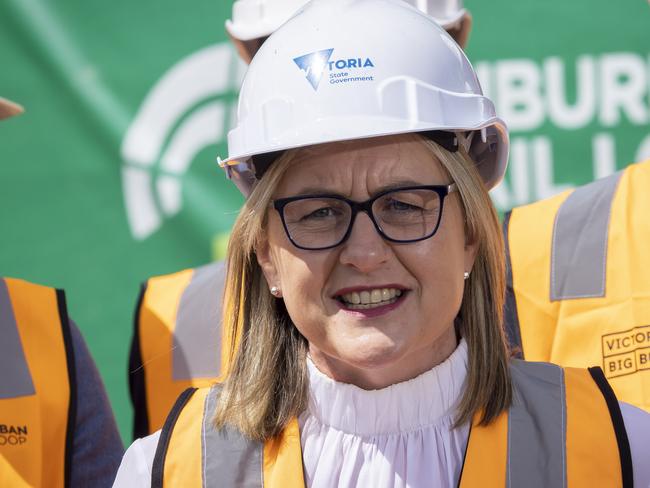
(465,139)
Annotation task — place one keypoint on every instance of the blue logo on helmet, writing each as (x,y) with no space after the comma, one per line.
(341,71)
(313,65)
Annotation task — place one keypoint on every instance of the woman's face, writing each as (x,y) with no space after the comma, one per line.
(411,329)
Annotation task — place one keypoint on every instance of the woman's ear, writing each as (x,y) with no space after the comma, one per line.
(265,260)
(471,251)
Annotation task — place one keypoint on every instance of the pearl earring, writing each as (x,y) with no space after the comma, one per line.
(275,291)
(466,275)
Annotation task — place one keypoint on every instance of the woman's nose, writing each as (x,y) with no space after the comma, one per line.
(365,249)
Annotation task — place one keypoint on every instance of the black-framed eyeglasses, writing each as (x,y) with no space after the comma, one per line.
(402,215)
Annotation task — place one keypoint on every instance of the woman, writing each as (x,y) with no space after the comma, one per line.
(365,286)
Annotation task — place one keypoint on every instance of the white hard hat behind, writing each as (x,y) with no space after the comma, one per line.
(334,72)
(448,13)
(254,19)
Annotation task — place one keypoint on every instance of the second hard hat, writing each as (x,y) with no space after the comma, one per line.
(255,19)
(448,13)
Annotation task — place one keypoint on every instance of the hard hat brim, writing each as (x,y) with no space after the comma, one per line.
(491,169)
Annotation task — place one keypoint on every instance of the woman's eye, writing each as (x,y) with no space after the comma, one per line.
(399,206)
(320,213)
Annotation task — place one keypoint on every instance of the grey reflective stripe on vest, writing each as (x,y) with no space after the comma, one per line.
(537,427)
(15,378)
(579,247)
(197,334)
(229,459)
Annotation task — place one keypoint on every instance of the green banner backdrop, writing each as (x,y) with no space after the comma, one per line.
(110,175)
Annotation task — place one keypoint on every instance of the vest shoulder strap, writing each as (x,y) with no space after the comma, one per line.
(579,241)
(559,431)
(184,461)
(596,427)
(192,452)
(486,455)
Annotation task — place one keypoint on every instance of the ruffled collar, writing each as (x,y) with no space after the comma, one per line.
(424,401)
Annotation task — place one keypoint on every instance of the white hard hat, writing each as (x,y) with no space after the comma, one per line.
(334,72)
(254,19)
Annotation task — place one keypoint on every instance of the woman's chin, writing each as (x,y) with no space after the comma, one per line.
(369,367)
(373,360)
(376,359)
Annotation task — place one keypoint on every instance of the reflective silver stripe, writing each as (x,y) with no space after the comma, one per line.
(15,378)
(197,335)
(579,248)
(229,459)
(537,427)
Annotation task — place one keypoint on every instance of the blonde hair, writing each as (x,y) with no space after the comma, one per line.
(267,382)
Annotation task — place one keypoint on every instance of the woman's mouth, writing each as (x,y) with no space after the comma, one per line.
(368,299)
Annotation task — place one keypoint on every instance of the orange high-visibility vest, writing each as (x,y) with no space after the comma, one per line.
(564,428)
(177,342)
(36,386)
(579,280)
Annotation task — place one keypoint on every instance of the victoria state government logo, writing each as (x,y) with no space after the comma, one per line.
(191,107)
(340,70)
(12,435)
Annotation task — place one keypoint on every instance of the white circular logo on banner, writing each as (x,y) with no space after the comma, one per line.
(188,109)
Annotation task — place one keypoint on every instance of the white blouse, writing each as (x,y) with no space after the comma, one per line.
(399,436)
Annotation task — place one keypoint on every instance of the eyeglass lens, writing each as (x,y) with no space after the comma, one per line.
(402,215)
